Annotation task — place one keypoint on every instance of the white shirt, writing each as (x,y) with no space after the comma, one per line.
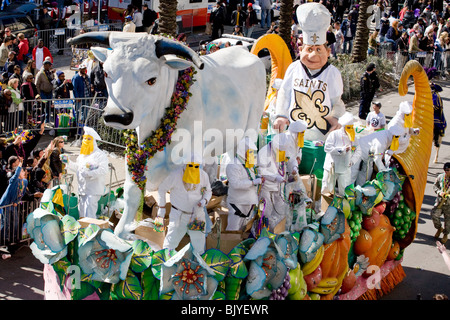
(240,188)
(92,181)
(335,148)
(301,93)
(375,120)
(39,58)
(269,168)
(129,27)
(137,19)
(377,142)
(180,197)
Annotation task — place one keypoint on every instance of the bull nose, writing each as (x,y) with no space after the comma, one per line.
(124,118)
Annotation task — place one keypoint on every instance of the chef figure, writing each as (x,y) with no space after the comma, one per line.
(312,88)
(243,184)
(272,164)
(373,147)
(342,151)
(190,191)
(92,166)
(404,118)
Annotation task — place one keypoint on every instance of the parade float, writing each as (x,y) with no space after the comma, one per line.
(352,250)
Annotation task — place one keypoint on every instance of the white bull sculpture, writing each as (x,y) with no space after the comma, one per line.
(141,73)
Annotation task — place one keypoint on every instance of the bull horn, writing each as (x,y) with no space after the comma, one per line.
(166,46)
(89,37)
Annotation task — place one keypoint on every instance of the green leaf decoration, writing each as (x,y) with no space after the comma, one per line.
(60,267)
(238,268)
(70,228)
(150,285)
(86,233)
(85,290)
(233,288)
(128,289)
(266,233)
(218,296)
(166,296)
(218,261)
(104,291)
(142,256)
(158,259)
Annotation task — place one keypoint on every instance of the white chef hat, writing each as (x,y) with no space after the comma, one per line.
(298,126)
(405,107)
(277,83)
(245,144)
(314,20)
(91,132)
(346,119)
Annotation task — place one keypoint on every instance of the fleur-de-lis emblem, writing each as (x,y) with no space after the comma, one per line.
(314,38)
(309,108)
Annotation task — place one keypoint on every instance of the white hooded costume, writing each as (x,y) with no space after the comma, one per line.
(341,154)
(403,118)
(373,147)
(243,182)
(295,140)
(92,170)
(273,173)
(188,202)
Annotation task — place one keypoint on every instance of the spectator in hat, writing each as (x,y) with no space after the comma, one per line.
(369,84)
(375,119)
(217,19)
(129,25)
(44,84)
(237,31)
(149,17)
(81,88)
(62,86)
(40,53)
(250,21)
(238,16)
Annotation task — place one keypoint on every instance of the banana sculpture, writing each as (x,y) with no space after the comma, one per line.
(331,259)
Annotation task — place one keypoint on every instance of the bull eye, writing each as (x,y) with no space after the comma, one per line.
(151,81)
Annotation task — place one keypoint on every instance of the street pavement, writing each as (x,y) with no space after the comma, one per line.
(21,276)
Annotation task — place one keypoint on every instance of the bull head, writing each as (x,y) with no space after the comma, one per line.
(163,47)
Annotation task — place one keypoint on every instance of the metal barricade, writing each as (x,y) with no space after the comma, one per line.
(56,39)
(62,115)
(13,222)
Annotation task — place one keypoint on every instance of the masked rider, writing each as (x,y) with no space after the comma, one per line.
(243,185)
(190,191)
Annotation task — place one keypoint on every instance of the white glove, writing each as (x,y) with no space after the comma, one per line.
(257,181)
(279,179)
(202,203)
(161,212)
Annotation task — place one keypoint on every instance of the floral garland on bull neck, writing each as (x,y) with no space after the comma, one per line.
(138,155)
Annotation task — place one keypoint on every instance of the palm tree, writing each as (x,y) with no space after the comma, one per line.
(168,17)
(361,42)
(286,9)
